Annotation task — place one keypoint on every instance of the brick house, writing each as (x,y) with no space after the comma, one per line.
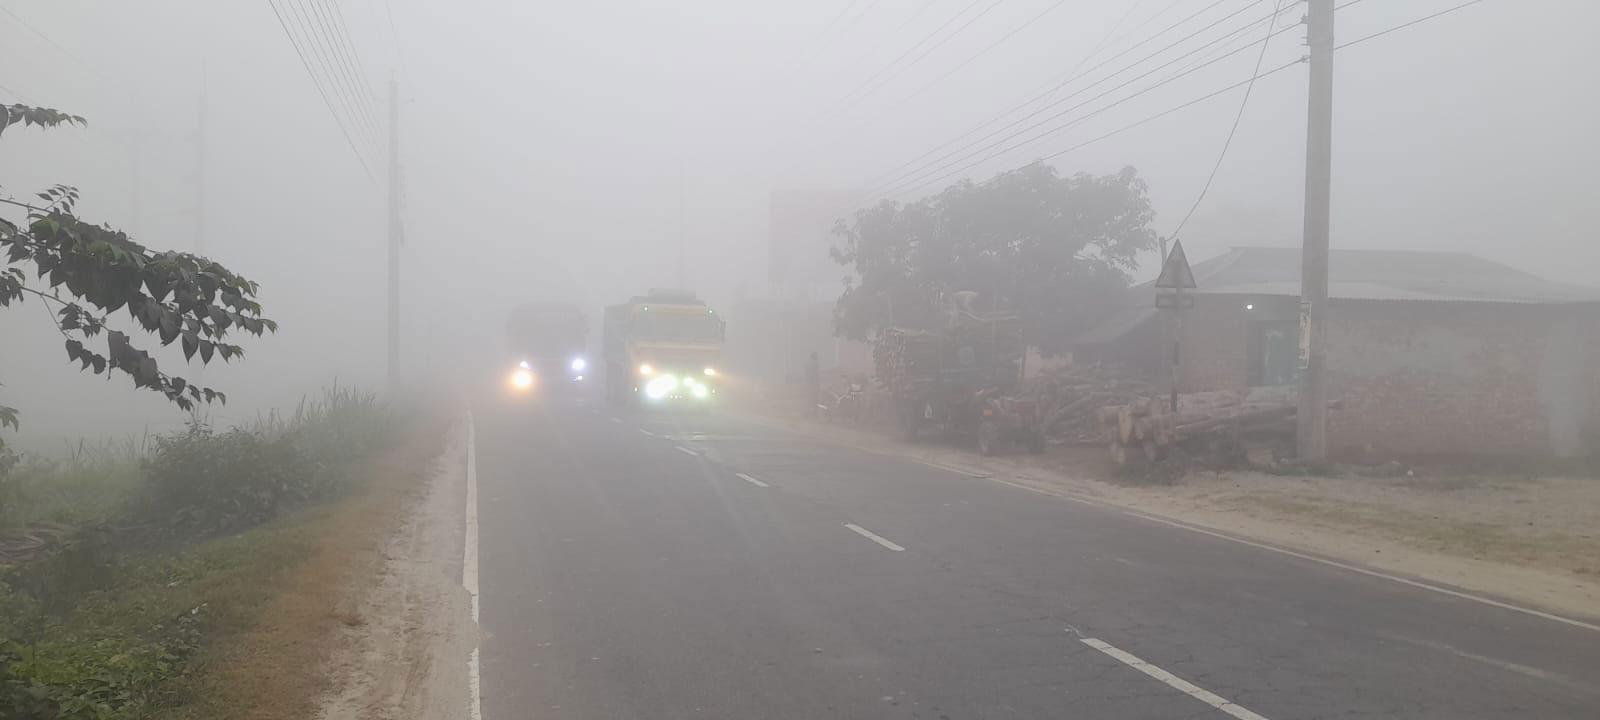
(1433,355)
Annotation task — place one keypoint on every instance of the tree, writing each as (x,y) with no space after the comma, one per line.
(1055,250)
(84,273)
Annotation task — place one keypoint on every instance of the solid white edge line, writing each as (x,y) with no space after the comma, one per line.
(683,449)
(751,480)
(1188,688)
(1371,573)
(879,539)
(469,571)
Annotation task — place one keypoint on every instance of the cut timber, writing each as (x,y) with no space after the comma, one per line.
(1248,417)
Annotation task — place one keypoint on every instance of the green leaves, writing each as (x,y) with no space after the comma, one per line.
(42,117)
(92,271)
(1054,249)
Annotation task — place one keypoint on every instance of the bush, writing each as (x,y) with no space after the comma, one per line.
(201,482)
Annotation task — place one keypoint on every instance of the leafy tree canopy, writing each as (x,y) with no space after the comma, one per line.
(85,272)
(1055,250)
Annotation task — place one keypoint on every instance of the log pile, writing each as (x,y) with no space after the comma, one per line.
(1070,400)
(1218,426)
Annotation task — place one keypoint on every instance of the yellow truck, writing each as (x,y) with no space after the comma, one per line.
(663,347)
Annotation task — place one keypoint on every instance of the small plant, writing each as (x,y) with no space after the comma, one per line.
(202,482)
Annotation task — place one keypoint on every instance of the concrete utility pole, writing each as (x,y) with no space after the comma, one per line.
(1311,419)
(394,232)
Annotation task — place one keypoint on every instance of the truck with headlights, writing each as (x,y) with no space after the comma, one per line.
(547,344)
(663,347)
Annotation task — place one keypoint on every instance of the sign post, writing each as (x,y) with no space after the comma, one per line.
(1176,275)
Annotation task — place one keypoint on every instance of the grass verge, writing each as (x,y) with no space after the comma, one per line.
(201,580)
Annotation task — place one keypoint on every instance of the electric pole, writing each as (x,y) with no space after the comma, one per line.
(1311,418)
(394,232)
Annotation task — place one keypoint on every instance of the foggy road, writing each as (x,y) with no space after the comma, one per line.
(701,565)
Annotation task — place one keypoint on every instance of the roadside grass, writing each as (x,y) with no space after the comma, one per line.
(169,598)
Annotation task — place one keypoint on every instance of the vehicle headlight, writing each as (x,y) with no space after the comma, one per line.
(522,378)
(645,369)
(699,391)
(660,387)
(524,365)
(711,372)
(578,364)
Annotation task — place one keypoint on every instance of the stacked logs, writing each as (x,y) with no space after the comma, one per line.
(1069,400)
(1221,424)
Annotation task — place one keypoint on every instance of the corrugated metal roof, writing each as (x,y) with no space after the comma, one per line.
(1354,275)
(1384,275)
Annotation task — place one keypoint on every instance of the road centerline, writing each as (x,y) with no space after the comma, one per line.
(1178,683)
(685,450)
(879,539)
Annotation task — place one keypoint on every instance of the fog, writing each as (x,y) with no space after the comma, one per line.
(588,150)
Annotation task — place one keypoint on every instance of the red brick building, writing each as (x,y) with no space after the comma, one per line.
(1433,355)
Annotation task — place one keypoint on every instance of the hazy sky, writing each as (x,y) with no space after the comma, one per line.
(548,146)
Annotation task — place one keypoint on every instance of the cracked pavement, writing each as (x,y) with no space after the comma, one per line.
(623,579)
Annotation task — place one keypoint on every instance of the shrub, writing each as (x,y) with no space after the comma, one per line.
(202,482)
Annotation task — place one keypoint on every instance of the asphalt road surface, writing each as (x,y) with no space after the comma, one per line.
(706,566)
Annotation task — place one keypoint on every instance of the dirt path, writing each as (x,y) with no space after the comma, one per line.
(408,657)
(1534,541)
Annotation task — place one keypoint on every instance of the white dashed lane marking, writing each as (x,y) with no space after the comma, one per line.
(752,480)
(1188,688)
(879,539)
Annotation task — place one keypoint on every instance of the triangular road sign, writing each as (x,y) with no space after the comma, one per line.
(1175,272)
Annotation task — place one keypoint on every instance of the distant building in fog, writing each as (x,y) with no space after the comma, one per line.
(1433,355)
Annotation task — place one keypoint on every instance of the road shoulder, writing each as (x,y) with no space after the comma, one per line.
(408,658)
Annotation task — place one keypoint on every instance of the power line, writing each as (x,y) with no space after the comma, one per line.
(1138,123)
(853,96)
(924,168)
(24,23)
(1071,76)
(1003,38)
(346,49)
(917,180)
(1239,116)
(334,74)
(328,46)
(1403,26)
(320,91)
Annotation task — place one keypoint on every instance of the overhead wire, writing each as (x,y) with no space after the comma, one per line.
(1075,74)
(1132,125)
(971,58)
(851,98)
(916,180)
(340,35)
(305,63)
(1239,116)
(924,168)
(1405,25)
(344,86)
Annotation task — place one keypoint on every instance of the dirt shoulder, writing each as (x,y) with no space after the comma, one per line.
(1531,540)
(405,654)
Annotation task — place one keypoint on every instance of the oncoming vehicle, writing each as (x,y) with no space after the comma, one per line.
(547,344)
(662,347)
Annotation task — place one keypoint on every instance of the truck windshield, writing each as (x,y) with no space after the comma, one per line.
(690,326)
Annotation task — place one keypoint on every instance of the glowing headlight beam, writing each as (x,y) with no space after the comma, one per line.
(578,364)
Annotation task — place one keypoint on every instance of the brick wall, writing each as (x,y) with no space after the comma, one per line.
(1423,379)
